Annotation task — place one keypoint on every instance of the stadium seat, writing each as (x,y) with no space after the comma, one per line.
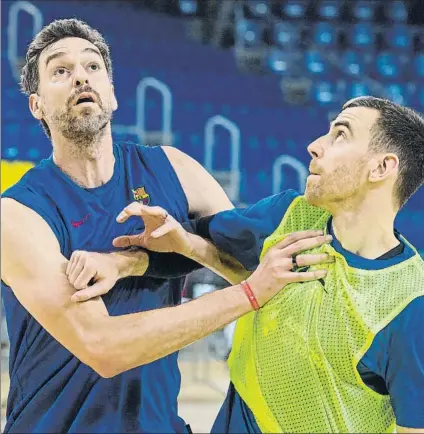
(329,10)
(249,32)
(388,66)
(361,36)
(294,9)
(353,63)
(325,93)
(325,35)
(399,37)
(418,68)
(316,64)
(355,89)
(286,35)
(397,93)
(417,98)
(258,8)
(188,7)
(363,10)
(396,11)
(282,62)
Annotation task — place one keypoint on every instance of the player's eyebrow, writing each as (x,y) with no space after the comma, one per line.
(62,53)
(343,124)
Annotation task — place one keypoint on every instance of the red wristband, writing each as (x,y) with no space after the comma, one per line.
(248,291)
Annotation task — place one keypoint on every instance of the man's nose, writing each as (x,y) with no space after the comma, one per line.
(316,149)
(81,77)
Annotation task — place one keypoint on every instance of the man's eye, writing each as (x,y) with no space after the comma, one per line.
(340,133)
(60,71)
(94,66)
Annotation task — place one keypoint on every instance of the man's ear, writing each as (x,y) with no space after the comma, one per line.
(35,106)
(384,167)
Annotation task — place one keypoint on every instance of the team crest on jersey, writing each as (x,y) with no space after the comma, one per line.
(141,195)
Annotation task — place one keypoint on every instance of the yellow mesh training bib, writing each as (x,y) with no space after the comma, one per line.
(294,361)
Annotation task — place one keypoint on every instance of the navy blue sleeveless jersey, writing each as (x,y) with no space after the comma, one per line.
(51,391)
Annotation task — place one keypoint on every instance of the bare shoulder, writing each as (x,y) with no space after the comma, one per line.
(177,158)
(204,194)
(26,239)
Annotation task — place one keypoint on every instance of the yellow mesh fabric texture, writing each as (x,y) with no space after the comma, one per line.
(294,361)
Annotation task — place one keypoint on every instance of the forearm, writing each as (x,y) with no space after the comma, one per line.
(131,262)
(136,339)
(170,265)
(206,253)
(138,262)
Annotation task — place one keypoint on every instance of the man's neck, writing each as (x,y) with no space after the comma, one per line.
(366,229)
(90,165)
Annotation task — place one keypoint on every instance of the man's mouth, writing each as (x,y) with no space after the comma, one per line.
(85,98)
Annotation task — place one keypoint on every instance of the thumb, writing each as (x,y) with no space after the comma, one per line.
(125,241)
(93,291)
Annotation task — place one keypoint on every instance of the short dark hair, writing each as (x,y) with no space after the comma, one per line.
(55,31)
(399,130)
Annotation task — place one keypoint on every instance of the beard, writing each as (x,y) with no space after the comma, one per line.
(85,128)
(342,185)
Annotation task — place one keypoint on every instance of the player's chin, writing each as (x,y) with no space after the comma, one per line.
(313,196)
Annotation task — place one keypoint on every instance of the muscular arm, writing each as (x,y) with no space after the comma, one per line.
(34,268)
(207,254)
(204,195)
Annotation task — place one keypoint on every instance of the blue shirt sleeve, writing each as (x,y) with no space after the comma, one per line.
(397,355)
(241,232)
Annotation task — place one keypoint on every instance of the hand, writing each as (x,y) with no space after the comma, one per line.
(276,269)
(162,233)
(85,267)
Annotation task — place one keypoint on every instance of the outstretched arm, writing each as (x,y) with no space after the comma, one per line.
(104,269)
(34,268)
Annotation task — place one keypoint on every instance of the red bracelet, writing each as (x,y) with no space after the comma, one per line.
(248,291)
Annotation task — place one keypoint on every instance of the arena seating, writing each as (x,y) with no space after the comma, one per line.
(343,49)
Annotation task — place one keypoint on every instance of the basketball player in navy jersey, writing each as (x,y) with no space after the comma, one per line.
(108,364)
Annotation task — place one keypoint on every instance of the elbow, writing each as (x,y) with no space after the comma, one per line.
(104,370)
(109,360)
(100,357)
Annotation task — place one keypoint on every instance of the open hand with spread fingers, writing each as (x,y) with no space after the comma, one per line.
(162,233)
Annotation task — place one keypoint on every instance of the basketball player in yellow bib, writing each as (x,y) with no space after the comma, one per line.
(344,353)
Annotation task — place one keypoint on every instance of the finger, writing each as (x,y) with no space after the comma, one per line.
(100,288)
(321,258)
(164,229)
(76,270)
(127,241)
(307,276)
(137,209)
(307,244)
(71,263)
(296,236)
(84,278)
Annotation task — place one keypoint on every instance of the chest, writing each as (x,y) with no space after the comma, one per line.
(322,321)
(88,217)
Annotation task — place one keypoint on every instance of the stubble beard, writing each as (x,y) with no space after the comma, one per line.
(84,130)
(338,187)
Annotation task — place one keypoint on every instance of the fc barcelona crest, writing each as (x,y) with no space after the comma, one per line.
(141,195)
